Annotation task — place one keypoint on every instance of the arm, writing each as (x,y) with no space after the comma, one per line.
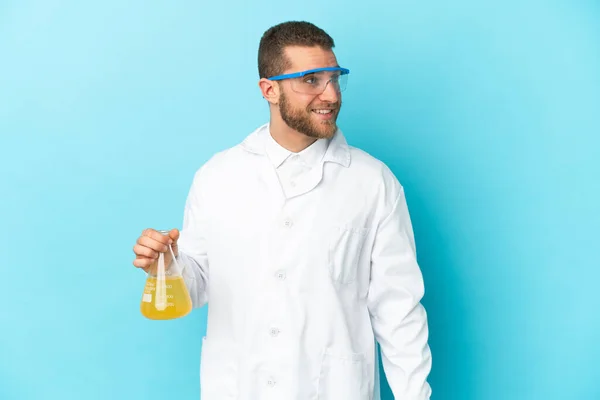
(399,320)
(192,245)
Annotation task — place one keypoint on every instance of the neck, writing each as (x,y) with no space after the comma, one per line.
(287,137)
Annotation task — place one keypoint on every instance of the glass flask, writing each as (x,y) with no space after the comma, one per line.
(165,294)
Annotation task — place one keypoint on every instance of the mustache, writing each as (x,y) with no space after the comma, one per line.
(326,106)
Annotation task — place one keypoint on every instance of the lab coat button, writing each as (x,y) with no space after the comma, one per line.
(293,184)
(271,382)
(280,275)
(287,223)
(274,332)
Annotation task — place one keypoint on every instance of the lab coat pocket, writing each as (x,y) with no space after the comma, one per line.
(345,245)
(343,376)
(217,371)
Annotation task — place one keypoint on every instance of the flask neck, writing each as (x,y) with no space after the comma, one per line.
(171,264)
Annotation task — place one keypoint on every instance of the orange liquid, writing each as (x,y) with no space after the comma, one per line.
(179,303)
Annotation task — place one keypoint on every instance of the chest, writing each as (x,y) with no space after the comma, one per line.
(322,227)
(254,201)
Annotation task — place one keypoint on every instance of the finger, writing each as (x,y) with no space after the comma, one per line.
(154,234)
(144,251)
(143,262)
(155,245)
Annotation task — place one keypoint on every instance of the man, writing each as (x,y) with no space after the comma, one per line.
(302,247)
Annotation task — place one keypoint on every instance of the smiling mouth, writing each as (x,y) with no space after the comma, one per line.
(323,111)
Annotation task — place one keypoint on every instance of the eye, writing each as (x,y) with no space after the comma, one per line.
(310,79)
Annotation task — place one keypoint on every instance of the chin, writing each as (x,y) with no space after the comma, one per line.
(329,132)
(324,134)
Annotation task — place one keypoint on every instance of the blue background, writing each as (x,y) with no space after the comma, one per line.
(487,112)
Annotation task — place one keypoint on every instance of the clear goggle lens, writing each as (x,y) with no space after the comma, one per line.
(316,82)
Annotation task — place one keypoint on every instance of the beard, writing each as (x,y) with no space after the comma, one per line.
(302,120)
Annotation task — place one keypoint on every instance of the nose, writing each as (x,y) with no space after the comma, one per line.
(330,93)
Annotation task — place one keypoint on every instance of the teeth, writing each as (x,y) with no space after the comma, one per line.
(322,111)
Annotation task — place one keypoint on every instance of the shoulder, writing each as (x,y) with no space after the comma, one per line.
(373,169)
(234,156)
(383,188)
(212,169)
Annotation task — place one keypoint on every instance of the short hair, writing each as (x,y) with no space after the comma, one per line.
(271,51)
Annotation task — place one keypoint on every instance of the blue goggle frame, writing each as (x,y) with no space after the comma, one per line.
(344,71)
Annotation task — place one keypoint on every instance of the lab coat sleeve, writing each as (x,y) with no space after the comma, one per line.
(398,318)
(192,244)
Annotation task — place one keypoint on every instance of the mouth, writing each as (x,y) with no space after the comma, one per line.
(324,113)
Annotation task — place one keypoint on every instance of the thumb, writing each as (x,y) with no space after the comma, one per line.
(174,236)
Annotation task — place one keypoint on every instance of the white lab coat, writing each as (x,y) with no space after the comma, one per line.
(300,289)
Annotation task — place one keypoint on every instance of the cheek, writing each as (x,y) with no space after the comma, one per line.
(310,102)
(298,104)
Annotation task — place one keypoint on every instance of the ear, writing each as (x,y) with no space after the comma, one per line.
(269,90)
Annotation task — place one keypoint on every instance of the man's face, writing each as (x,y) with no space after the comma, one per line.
(313,115)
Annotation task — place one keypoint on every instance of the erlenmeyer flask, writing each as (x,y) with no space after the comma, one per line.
(165,294)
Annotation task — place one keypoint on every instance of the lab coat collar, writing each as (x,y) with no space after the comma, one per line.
(310,156)
(277,153)
(338,150)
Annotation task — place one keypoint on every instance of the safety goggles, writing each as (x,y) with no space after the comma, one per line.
(314,81)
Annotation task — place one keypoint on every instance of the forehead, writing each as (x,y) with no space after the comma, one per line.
(305,58)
